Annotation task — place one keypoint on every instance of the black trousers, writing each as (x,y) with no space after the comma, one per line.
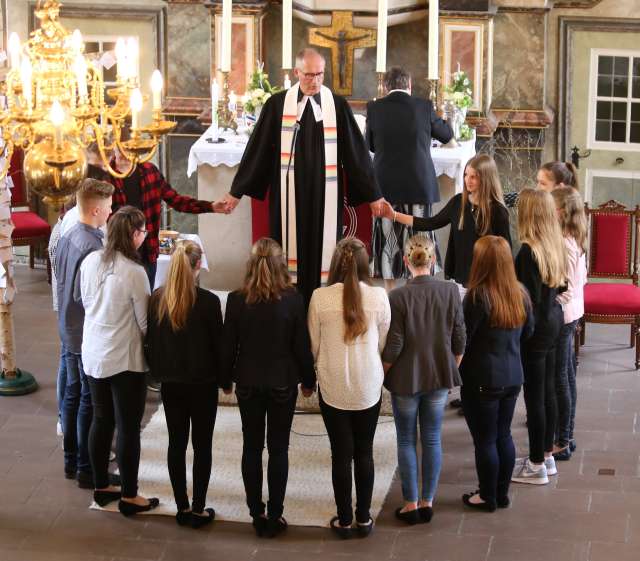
(539,368)
(489,412)
(273,407)
(118,401)
(351,436)
(190,406)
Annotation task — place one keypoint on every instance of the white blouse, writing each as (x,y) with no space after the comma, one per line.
(350,375)
(115,299)
(572,300)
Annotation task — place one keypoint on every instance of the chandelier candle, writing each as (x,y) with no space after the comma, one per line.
(14,51)
(26,75)
(136,106)
(156,90)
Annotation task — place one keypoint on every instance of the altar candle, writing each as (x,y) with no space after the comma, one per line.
(381,58)
(135,103)
(287,32)
(225,47)
(287,82)
(14,51)
(26,77)
(80,69)
(156,89)
(433,39)
(121,60)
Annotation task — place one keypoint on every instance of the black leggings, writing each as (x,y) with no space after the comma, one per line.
(275,406)
(351,435)
(540,399)
(118,401)
(190,406)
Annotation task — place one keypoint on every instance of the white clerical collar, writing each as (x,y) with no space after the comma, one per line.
(403,91)
(317,110)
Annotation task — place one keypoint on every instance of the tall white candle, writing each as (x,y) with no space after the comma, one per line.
(381,58)
(156,89)
(225,47)
(135,103)
(287,82)
(287,33)
(132,58)
(26,78)
(433,39)
(80,68)
(14,51)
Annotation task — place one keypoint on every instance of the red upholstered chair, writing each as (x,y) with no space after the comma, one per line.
(29,227)
(613,253)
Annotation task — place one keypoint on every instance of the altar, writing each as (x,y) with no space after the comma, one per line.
(227,240)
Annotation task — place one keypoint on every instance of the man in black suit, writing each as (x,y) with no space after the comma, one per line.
(399,132)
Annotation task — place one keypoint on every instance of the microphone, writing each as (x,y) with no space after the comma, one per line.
(296,129)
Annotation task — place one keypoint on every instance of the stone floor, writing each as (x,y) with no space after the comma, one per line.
(581,516)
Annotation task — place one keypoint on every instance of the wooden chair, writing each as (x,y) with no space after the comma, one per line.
(613,254)
(29,227)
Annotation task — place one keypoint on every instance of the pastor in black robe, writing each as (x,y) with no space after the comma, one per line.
(259,174)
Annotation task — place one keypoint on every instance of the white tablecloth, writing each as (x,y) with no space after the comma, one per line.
(447,161)
(163,260)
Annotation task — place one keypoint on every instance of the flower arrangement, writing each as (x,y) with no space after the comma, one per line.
(259,90)
(460,90)
(466,132)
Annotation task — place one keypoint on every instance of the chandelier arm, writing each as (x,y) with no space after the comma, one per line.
(149,155)
(105,160)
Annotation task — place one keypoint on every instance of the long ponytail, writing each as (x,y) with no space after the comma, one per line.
(178,296)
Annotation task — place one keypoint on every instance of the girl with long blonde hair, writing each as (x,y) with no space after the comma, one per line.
(478,211)
(541,266)
(498,316)
(183,349)
(348,323)
(267,353)
(573,222)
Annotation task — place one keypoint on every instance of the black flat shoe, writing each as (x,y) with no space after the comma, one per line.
(455,403)
(275,526)
(129,509)
(487,507)
(411,517)
(343,532)
(103,498)
(259,525)
(572,445)
(426,513)
(183,517)
(364,529)
(503,502)
(199,520)
(563,455)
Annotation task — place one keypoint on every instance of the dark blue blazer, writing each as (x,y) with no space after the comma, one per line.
(492,355)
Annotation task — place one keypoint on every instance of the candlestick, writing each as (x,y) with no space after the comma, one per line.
(56,116)
(225,48)
(381,53)
(433,39)
(226,117)
(287,33)
(14,51)
(287,82)
(135,104)
(156,90)
(25,78)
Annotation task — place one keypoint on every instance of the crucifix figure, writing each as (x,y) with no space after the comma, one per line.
(342,38)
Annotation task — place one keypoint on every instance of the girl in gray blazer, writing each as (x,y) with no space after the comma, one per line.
(424,347)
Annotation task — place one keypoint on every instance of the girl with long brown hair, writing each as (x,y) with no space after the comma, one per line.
(115,294)
(183,349)
(498,316)
(348,324)
(573,223)
(267,353)
(541,266)
(478,211)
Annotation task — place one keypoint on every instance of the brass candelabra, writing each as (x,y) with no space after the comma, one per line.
(226,116)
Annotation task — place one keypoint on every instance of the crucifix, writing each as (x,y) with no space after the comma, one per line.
(342,38)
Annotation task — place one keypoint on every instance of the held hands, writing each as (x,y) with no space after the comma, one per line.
(220,207)
(376,207)
(228,391)
(227,205)
(387,211)
(307,392)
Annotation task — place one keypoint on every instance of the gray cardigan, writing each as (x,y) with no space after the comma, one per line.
(427,330)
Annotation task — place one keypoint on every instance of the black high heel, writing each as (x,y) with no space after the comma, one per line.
(129,509)
(197,520)
(103,498)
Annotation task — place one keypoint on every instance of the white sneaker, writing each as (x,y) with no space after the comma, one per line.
(550,464)
(59,429)
(528,473)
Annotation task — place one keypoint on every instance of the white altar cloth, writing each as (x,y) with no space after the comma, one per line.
(163,260)
(447,161)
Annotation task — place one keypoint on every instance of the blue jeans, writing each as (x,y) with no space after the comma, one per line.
(489,412)
(566,383)
(61,380)
(427,408)
(77,413)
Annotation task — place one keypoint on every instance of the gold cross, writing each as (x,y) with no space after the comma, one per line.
(342,38)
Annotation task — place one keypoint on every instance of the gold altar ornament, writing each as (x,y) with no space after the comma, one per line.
(342,38)
(56,107)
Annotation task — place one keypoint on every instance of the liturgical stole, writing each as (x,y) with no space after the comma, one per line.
(289,118)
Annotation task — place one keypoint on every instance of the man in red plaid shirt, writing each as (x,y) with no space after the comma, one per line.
(145,189)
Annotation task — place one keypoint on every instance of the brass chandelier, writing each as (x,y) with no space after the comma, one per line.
(56,107)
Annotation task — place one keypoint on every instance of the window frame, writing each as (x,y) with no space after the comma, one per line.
(101,39)
(593,99)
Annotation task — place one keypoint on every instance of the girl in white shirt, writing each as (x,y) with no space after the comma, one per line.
(348,324)
(574,229)
(115,293)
